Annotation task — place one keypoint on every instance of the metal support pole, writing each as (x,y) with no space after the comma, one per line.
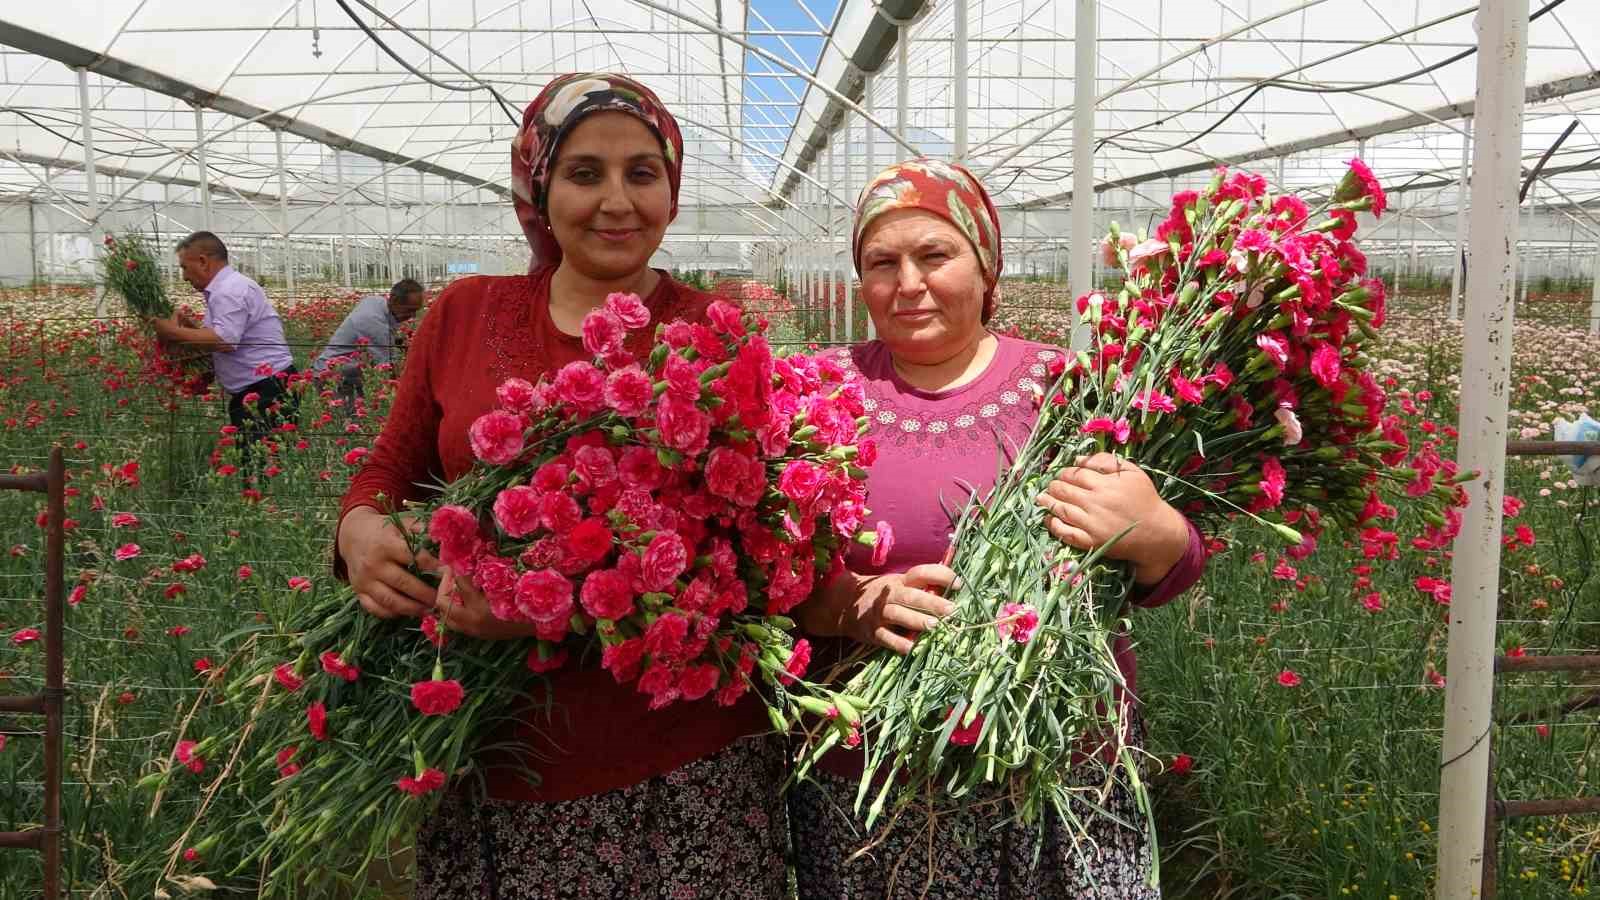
(283,213)
(827,248)
(846,264)
(1080,265)
(870,132)
(1486,370)
(50,241)
(422,234)
(902,82)
(959,78)
(388,230)
(91,195)
(1456,270)
(1594,302)
(344,215)
(205,170)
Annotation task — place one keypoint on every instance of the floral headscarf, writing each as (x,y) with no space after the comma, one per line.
(946,190)
(548,120)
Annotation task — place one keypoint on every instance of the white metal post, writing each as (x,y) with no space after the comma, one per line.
(344,214)
(870,131)
(283,213)
(388,228)
(902,82)
(91,196)
(205,170)
(827,248)
(1594,302)
(50,240)
(422,233)
(1486,373)
(1461,222)
(1080,264)
(959,78)
(842,239)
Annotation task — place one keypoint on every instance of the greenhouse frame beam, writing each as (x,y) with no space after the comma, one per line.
(76,165)
(76,57)
(879,37)
(1535,93)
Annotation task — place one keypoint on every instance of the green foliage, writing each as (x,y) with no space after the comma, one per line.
(131,271)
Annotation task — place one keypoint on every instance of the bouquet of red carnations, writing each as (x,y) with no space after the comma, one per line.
(1229,366)
(131,271)
(662,517)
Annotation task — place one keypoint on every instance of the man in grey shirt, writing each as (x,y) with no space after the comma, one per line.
(367,335)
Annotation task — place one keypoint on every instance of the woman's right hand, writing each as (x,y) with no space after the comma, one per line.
(885,610)
(378,559)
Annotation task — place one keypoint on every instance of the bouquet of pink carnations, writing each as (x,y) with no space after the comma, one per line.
(662,517)
(1229,365)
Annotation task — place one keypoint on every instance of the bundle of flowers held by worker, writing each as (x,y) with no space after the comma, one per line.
(1229,365)
(131,271)
(658,520)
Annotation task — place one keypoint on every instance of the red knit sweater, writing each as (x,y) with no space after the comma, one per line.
(597,735)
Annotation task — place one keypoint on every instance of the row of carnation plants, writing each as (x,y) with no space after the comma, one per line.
(1230,366)
(131,270)
(658,520)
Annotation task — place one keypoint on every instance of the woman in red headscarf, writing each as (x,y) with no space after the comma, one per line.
(944,393)
(627,802)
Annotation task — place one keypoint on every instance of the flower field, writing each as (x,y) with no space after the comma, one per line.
(1294,707)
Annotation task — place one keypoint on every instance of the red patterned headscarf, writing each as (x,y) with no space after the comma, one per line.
(548,120)
(946,190)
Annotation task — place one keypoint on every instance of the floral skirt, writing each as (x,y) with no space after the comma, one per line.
(714,828)
(970,851)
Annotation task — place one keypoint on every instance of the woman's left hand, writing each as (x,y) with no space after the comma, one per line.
(1103,495)
(464,609)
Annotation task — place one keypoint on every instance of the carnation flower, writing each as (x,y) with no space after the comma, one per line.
(516,510)
(515,395)
(496,437)
(25,636)
(430,780)
(539,662)
(882,543)
(628,391)
(284,762)
(606,594)
(628,309)
(437,697)
(185,754)
(664,560)
(966,735)
(284,675)
(1288,678)
(317,720)
(1017,622)
(126,552)
(799,661)
(337,667)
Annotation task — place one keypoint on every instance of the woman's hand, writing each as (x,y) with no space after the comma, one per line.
(1094,501)
(377,556)
(886,610)
(464,609)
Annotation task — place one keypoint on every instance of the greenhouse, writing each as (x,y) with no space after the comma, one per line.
(1277,317)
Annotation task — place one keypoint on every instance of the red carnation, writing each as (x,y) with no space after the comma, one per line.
(437,698)
(317,720)
(430,780)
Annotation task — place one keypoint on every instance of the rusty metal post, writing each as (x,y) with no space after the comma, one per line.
(47,840)
(55,686)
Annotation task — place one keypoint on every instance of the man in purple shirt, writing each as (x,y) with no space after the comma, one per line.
(243,333)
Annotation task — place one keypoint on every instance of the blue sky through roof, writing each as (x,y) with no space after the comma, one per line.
(772,95)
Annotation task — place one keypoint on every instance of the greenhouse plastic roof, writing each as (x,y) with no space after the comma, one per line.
(761,85)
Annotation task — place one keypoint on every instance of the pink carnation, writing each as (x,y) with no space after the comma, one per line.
(664,560)
(735,477)
(1273,481)
(544,597)
(516,395)
(882,543)
(1325,364)
(516,510)
(603,332)
(127,552)
(1119,430)
(1154,401)
(607,594)
(800,481)
(799,661)
(496,437)
(629,309)
(1017,622)
(628,391)
(683,426)
(581,386)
